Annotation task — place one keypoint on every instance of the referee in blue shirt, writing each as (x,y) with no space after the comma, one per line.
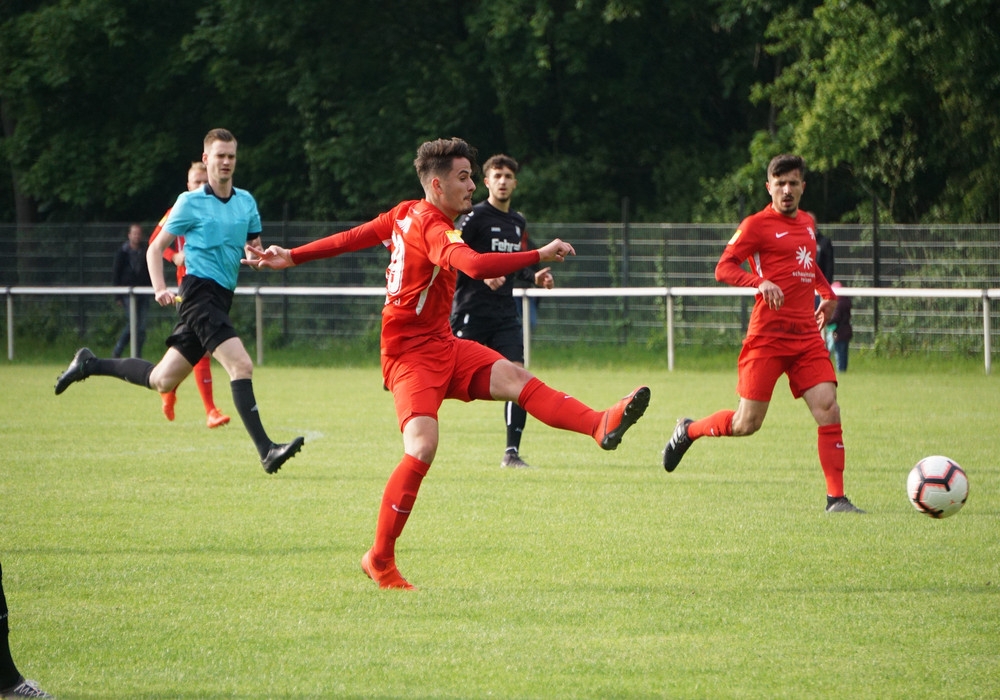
(217,222)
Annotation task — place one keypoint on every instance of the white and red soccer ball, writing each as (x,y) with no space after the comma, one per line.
(937,486)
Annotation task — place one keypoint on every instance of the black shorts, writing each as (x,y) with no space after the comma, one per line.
(503,334)
(204,323)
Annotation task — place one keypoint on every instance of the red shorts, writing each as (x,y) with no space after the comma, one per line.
(421,378)
(763,359)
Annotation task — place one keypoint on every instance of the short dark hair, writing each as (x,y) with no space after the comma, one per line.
(498,161)
(786,163)
(219,135)
(435,157)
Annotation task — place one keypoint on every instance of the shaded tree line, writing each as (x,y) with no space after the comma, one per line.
(674,107)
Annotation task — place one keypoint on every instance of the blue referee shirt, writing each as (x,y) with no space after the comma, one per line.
(214,231)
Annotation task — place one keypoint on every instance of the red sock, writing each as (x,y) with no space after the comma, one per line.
(203,376)
(397,502)
(719,424)
(556,409)
(831,458)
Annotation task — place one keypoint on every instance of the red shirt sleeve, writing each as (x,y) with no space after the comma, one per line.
(730,270)
(483,266)
(360,237)
(168,252)
(823,287)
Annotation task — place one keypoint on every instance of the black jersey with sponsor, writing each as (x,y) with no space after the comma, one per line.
(486,229)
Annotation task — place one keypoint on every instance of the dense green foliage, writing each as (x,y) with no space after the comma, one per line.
(675,106)
(146,559)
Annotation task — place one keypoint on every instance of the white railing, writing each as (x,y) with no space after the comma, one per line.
(668,293)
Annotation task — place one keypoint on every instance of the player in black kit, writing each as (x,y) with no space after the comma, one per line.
(485,310)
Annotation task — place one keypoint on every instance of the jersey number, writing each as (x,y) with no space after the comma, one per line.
(394,273)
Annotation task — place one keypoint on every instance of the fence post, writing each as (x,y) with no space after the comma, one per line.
(526,328)
(987,349)
(259,317)
(10,325)
(670,330)
(876,264)
(625,268)
(133,322)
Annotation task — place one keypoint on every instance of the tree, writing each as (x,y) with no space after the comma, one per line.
(902,96)
(675,106)
(89,87)
(605,100)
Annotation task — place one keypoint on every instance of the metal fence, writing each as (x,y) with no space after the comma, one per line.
(608,255)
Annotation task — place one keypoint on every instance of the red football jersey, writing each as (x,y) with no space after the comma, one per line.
(419,282)
(420,278)
(781,249)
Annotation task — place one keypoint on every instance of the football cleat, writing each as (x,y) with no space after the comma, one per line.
(512,460)
(279,454)
(677,445)
(215,418)
(24,689)
(387,577)
(620,417)
(77,370)
(840,504)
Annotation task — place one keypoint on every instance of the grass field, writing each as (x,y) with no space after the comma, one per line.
(146,559)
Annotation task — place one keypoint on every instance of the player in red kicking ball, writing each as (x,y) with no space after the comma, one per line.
(422,362)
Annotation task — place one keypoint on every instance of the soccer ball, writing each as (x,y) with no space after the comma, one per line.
(937,486)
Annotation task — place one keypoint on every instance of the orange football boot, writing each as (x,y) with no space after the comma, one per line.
(388,577)
(215,418)
(620,417)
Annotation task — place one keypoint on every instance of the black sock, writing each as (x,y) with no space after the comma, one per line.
(516,417)
(246,405)
(9,674)
(132,370)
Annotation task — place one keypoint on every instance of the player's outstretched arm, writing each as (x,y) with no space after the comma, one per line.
(273,258)
(556,251)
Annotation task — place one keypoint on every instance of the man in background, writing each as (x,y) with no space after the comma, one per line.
(129,270)
(824,256)
(485,310)
(824,259)
(840,329)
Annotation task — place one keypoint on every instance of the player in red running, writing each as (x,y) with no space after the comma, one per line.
(197,177)
(785,333)
(422,362)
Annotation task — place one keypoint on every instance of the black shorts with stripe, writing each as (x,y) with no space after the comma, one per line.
(205,323)
(503,334)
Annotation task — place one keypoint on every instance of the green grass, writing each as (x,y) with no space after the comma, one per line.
(144,559)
